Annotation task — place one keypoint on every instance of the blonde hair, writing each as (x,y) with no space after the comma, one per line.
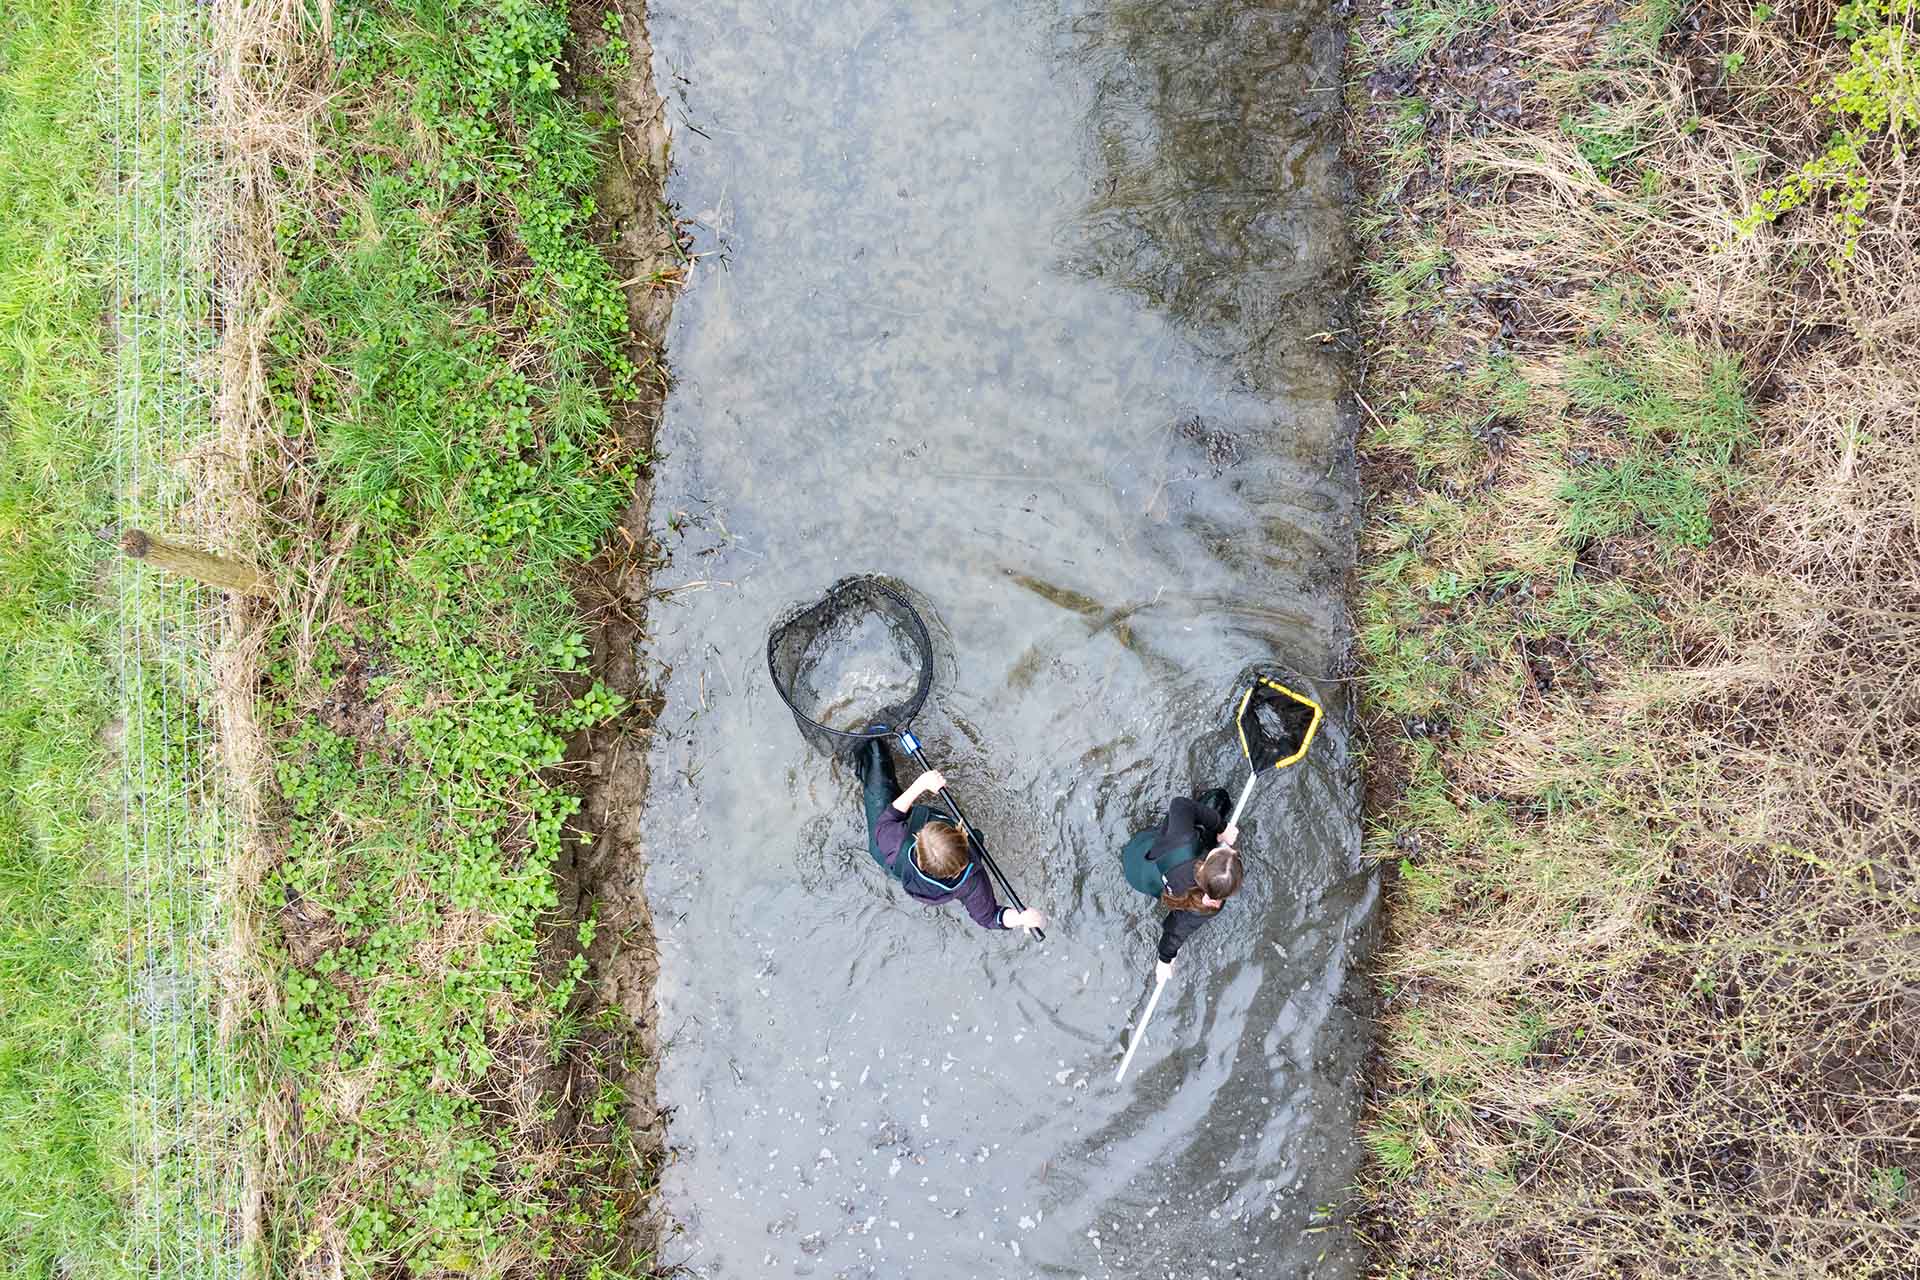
(940,850)
(1218,877)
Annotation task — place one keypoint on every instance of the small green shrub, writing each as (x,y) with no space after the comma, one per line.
(1877,97)
(615,53)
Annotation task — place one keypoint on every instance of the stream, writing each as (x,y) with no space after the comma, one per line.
(1027,306)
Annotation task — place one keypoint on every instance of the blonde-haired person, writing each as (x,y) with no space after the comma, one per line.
(1167,862)
(931,858)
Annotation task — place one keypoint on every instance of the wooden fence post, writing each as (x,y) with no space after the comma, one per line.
(201,566)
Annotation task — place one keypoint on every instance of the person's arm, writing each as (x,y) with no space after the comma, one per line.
(987,911)
(1174,932)
(1178,832)
(978,898)
(890,832)
(926,784)
(1209,825)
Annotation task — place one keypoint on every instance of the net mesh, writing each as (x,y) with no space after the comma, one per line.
(1276,723)
(857,657)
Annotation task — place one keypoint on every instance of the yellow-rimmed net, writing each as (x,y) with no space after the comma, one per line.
(1275,724)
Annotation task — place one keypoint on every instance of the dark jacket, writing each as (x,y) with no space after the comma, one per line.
(973,886)
(1190,830)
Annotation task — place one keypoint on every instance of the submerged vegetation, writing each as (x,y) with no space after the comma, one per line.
(1634,614)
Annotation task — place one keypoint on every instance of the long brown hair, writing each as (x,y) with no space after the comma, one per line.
(940,850)
(1217,877)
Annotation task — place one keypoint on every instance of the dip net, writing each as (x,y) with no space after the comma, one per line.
(858,657)
(1275,724)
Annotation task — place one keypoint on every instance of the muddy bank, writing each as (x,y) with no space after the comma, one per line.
(614,591)
(1025,309)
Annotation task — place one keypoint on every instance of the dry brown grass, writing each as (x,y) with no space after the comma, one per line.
(262,111)
(1653,965)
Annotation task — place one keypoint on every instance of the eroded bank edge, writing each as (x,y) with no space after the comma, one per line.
(607,867)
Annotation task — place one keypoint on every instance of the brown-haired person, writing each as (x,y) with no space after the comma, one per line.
(1167,862)
(931,858)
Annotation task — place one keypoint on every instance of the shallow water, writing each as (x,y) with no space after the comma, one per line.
(853,669)
(1018,304)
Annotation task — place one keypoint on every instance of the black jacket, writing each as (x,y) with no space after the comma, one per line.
(1189,832)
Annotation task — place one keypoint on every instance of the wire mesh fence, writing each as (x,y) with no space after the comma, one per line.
(187,1120)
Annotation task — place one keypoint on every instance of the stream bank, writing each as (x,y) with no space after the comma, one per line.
(607,859)
(456,393)
(1641,496)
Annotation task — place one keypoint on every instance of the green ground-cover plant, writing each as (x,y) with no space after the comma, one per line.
(1603,138)
(448,361)
(1875,99)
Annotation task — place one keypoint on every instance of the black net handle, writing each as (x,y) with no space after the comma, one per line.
(921,638)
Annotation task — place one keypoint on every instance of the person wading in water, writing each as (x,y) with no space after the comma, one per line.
(1166,862)
(931,858)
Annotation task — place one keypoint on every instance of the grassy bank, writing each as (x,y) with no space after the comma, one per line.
(60,1112)
(119,1140)
(456,414)
(1636,611)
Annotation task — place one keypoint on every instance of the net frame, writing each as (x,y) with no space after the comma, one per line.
(1252,736)
(849,593)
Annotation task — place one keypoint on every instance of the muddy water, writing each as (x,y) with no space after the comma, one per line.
(1016,303)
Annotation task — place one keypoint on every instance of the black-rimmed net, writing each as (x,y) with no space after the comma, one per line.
(860,656)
